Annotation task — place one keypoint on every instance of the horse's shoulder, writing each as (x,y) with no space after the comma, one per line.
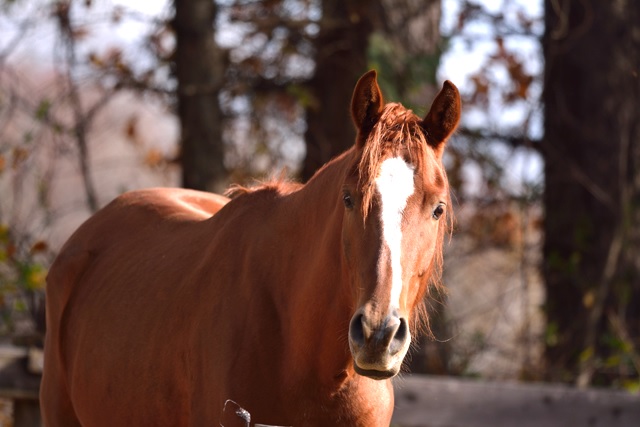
(62,278)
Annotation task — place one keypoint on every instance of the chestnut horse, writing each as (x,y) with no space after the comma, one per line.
(298,302)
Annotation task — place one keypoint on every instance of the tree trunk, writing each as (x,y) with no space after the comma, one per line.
(199,68)
(341,58)
(592,190)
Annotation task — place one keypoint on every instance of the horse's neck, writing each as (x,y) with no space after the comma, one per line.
(320,309)
(318,214)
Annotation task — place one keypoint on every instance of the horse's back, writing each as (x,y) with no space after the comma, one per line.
(141,219)
(109,305)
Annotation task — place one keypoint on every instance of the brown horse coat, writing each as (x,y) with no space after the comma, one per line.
(168,302)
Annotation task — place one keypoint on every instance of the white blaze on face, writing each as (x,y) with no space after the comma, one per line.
(395,185)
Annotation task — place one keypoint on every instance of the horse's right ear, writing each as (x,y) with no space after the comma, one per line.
(367,102)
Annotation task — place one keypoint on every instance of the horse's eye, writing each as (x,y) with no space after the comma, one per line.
(348,201)
(438,211)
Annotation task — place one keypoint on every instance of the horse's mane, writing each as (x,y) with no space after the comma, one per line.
(279,185)
(399,132)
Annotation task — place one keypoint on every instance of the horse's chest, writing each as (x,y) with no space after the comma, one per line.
(351,406)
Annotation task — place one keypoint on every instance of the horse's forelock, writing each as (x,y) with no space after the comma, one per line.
(398,132)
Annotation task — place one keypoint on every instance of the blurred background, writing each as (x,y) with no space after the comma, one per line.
(543,268)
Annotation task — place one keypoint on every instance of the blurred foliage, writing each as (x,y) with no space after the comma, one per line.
(22,281)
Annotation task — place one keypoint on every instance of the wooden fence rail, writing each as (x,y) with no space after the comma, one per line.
(452,402)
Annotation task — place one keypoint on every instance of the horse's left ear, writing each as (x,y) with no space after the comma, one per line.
(443,117)
(366,103)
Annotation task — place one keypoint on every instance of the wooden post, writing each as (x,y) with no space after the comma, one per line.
(20,385)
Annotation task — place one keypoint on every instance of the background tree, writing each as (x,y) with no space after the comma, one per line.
(401,39)
(340,56)
(199,69)
(300,60)
(592,190)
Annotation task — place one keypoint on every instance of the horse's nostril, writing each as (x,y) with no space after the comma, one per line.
(403,329)
(400,337)
(356,330)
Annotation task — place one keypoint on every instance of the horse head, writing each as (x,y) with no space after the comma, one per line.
(395,197)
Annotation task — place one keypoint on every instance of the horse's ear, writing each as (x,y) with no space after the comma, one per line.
(443,117)
(367,102)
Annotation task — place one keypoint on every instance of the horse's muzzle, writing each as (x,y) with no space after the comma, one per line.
(378,347)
